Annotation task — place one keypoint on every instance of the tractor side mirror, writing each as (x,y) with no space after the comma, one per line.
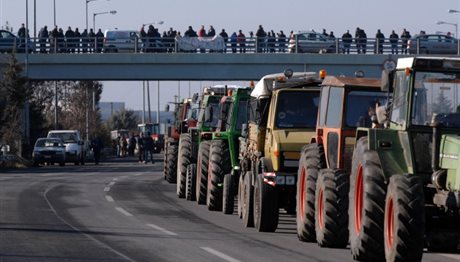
(381,114)
(208,114)
(387,81)
(167,108)
(244,130)
(195,98)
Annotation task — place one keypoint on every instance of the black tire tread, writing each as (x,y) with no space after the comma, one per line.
(183,160)
(171,163)
(409,224)
(202,172)
(190,183)
(335,185)
(312,159)
(219,163)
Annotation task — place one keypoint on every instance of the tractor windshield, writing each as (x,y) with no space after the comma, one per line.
(361,106)
(297,109)
(435,97)
(240,112)
(214,105)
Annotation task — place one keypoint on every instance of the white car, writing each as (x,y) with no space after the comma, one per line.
(116,41)
(74,145)
(312,42)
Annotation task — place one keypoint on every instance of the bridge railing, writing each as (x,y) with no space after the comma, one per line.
(81,45)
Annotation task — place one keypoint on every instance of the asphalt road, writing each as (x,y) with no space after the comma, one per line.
(125,211)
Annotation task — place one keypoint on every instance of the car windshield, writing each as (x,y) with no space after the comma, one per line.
(66,137)
(436,96)
(297,109)
(361,106)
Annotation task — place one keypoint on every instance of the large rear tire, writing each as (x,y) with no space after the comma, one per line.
(248,201)
(202,172)
(190,184)
(219,166)
(404,219)
(266,210)
(184,158)
(311,161)
(228,196)
(366,204)
(331,223)
(171,163)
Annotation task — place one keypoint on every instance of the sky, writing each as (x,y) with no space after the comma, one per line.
(332,15)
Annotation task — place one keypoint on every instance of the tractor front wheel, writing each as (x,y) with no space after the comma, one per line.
(266,210)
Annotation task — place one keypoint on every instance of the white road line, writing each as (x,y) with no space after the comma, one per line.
(220,254)
(112,183)
(455,257)
(109,198)
(124,212)
(78,230)
(115,179)
(138,174)
(167,232)
(106,189)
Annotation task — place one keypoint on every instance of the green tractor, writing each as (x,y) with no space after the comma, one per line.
(223,168)
(190,142)
(405,177)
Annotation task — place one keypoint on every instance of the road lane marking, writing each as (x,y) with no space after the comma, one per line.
(106,189)
(112,183)
(138,174)
(109,198)
(124,212)
(115,179)
(167,232)
(220,254)
(45,196)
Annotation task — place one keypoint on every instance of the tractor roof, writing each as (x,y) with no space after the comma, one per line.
(340,81)
(268,83)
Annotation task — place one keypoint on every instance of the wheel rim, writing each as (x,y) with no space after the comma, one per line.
(301,194)
(359,199)
(320,209)
(390,223)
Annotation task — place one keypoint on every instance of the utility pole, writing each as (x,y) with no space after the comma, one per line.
(143,102)
(148,101)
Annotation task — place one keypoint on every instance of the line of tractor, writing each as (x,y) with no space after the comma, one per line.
(365,163)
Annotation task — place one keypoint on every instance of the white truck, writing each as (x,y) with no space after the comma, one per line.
(74,145)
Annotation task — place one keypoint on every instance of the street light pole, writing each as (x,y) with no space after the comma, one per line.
(112,12)
(54,11)
(448,23)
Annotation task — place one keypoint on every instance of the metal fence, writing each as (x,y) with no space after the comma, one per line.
(170,45)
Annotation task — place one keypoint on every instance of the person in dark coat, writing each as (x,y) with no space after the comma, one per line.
(405,36)
(380,39)
(260,34)
(281,40)
(61,41)
(394,42)
(148,148)
(92,40)
(211,31)
(347,39)
(96,146)
(241,39)
(144,39)
(140,147)
(84,41)
(43,37)
(70,39)
(100,40)
(77,40)
(22,37)
(225,37)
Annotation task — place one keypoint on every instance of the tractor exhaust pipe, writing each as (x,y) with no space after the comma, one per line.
(435,144)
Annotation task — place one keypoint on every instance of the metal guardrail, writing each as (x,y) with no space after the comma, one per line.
(170,45)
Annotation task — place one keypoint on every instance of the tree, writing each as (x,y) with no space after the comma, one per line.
(443,104)
(14,93)
(123,119)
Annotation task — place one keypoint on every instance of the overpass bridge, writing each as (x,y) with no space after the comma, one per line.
(191,66)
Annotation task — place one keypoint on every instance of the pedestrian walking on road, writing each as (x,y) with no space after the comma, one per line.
(140,147)
(96,146)
(148,148)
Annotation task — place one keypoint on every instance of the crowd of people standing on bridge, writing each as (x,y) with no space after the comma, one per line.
(74,41)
